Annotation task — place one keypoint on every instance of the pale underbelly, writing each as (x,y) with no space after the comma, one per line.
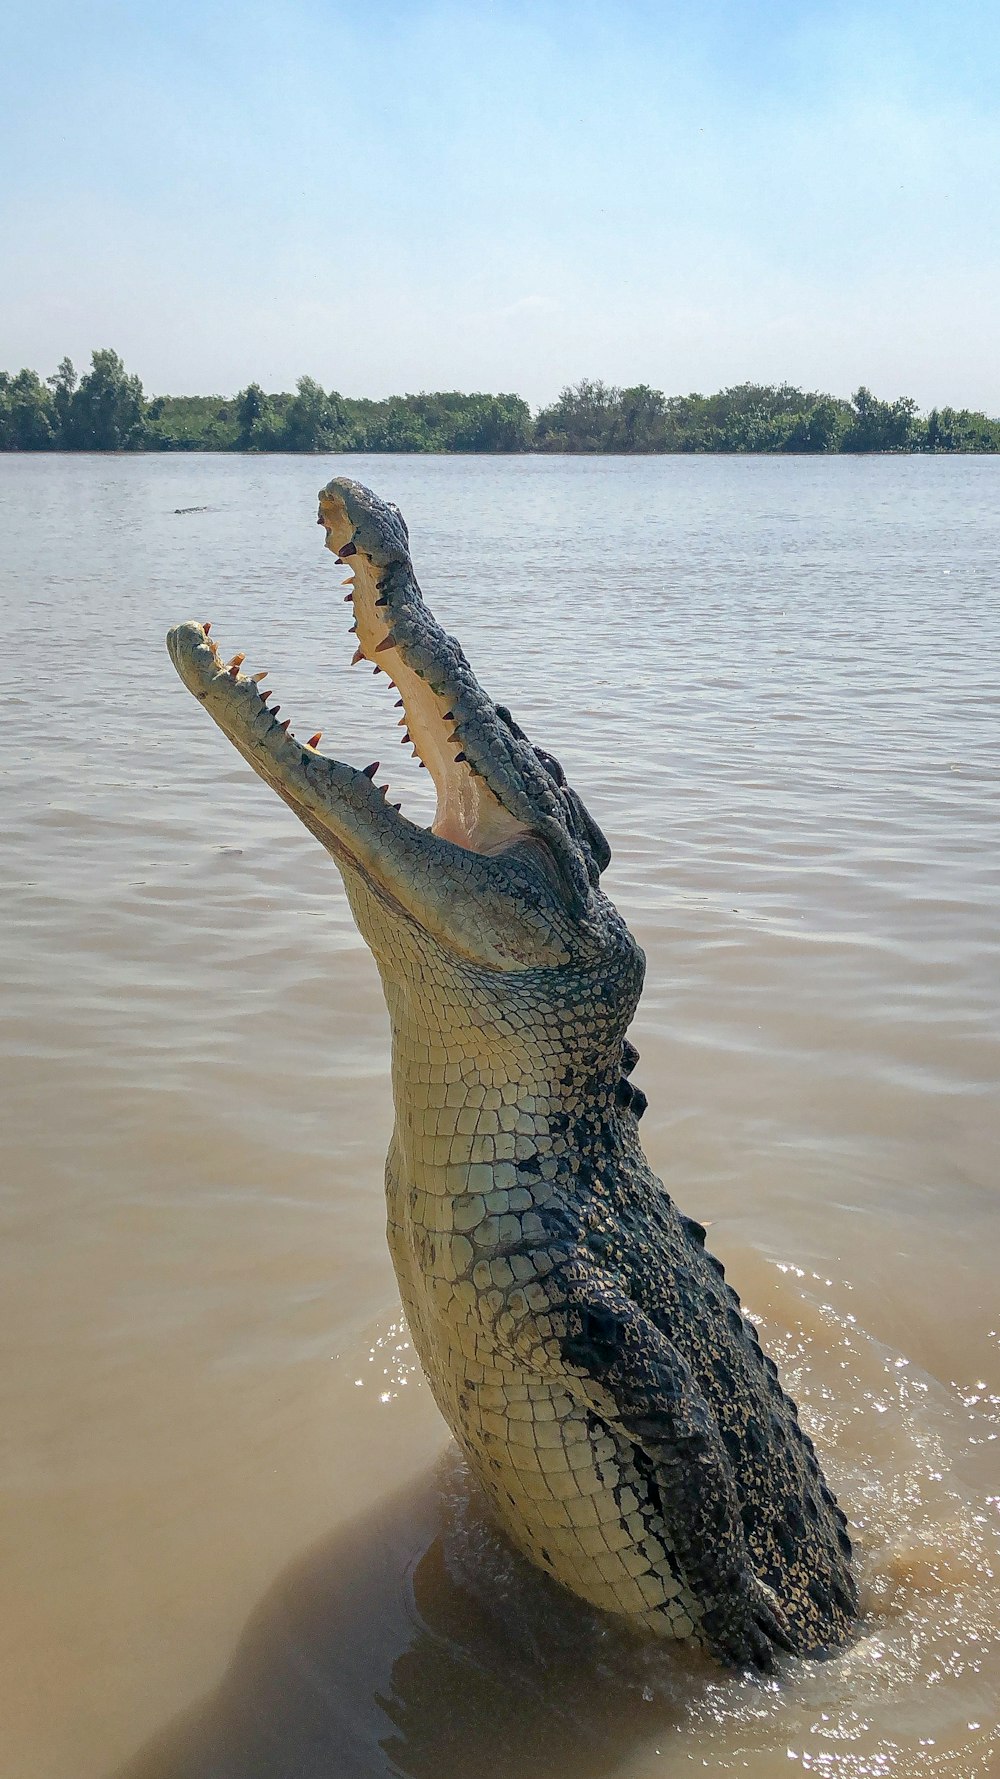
(564,1486)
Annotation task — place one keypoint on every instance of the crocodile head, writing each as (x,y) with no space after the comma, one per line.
(506,875)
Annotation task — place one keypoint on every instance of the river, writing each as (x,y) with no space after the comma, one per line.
(234,1540)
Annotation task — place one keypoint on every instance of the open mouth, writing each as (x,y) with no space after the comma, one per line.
(439,699)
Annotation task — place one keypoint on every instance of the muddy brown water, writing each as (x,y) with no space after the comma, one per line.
(235,1541)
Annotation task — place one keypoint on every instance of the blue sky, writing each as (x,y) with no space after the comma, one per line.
(396,196)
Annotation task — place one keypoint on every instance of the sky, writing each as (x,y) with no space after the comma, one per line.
(394,195)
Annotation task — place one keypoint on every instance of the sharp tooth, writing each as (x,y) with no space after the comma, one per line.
(207,627)
(314,740)
(348,550)
(458,759)
(358,655)
(274,711)
(388,642)
(285,724)
(266,695)
(237,662)
(398,704)
(406,736)
(347,598)
(370,771)
(353,631)
(257,677)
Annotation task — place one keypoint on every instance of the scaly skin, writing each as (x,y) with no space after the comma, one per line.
(578,1337)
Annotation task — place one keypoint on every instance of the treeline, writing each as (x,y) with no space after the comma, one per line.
(107,410)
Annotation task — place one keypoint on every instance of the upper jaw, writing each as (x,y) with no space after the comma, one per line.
(492,789)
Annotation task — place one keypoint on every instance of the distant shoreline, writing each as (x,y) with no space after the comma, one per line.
(106,410)
(458,456)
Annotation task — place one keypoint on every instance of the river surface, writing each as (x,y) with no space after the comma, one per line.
(236,1543)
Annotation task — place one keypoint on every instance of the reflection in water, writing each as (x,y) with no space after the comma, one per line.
(416,1641)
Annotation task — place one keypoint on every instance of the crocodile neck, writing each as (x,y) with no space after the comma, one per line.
(490,1070)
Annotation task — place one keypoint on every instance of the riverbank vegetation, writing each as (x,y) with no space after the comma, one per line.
(107,409)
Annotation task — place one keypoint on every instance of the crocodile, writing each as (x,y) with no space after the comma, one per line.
(610,1395)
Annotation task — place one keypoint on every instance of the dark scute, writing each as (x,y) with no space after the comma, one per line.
(695,1230)
(845,1593)
(754,1438)
(819,1592)
(793,1516)
(784,1541)
(587,830)
(639,1102)
(597,1342)
(505,717)
(723,1373)
(734,1446)
(549,761)
(630,1056)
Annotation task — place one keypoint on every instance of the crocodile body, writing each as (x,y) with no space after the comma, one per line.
(579,1339)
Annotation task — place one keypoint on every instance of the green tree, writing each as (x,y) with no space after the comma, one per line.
(314,421)
(878,425)
(960,429)
(819,427)
(27,414)
(396,427)
(63,386)
(107,412)
(638,424)
(485,423)
(6,421)
(581,420)
(257,424)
